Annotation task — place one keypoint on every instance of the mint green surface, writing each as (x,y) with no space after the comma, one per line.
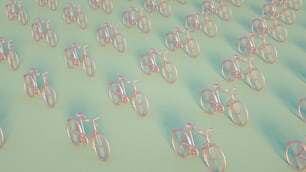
(36,136)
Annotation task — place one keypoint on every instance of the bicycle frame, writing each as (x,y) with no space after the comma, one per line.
(84,136)
(123,83)
(218,90)
(191,130)
(20,13)
(247,61)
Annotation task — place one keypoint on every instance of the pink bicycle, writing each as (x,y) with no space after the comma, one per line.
(162,6)
(109,34)
(34,86)
(155,62)
(8,53)
(72,13)
(14,10)
(184,145)
(134,16)
(75,55)
(280,10)
(1,138)
(78,135)
(296,155)
(53,4)
(221,9)
(174,41)
(117,93)
(107,5)
(42,30)
(302,109)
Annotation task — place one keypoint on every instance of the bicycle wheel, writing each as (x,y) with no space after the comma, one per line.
(191,23)
(165,9)
(93,3)
(89,66)
(107,6)
(40,3)
(101,146)
(256,79)
(238,113)
(288,16)
(22,17)
(295,155)
(149,6)
(9,12)
(171,41)
(229,70)
(53,4)
(208,101)
(146,63)
(101,36)
(279,33)
(144,24)
(244,46)
(51,38)
(238,3)
(302,109)
(29,85)
(295,4)
(69,57)
(181,143)
(73,129)
(214,158)
(127,19)
(49,95)
(268,53)
(268,11)
(119,42)
(192,47)
(140,103)
(207,7)
(13,60)
(210,28)
(66,15)
(36,32)
(1,138)
(82,20)
(115,93)
(169,72)
(258,27)
(225,12)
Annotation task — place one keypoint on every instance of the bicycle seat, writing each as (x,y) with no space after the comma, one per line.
(80,115)
(189,126)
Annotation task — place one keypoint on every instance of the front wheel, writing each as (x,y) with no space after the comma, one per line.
(49,95)
(73,129)
(1,138)
(165,9)
(107,6)
(295,155)
(210,28)
(302,109)
(82,20)
(279,33)
(53,4)
(180,143)
(144,24)
(256,79)
(288,16)
(115,93)
(140,103)
(119,42)
(29,85)
(101,146)
(192,47)
(268,53)
(89,66)
(51,38)
(208,101)
(229,70)
(169,72)
(214,158)
(13,60)
(238,113)
(225,13)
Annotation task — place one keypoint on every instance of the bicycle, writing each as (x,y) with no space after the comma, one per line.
(193,23)
(162,6)
(149,65)
(109,34)
(247,47)
(78,135)
(231,71)
(282,11)
(222,10)
(134,16)
(72,13)
(302,109)
(296,154)
(118,95)
(75,55)
(53,4)
(173,41)
(211,103)
(1,138)
(14,10)
(184,145)
(8,53)
(33,86)
(41,30)
(107,5)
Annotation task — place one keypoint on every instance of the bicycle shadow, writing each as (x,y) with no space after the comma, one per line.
(232,41)
(298,69)
(195,86)
(216,61)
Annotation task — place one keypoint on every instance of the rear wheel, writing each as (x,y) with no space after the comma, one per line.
(73,129)
(180,143)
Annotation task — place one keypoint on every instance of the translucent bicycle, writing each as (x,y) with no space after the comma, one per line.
(72,13)
(109,34)
(211,103)
(208,26)
(1,138)
(53,4)
(182,39)
(231,70)
(184,145)
(8,53)
(75,55)
(247,47)
(302,109)
(162,6)
(135,16)
(118,94)
(157,61)
(107,5)
(34,83)
(221,9)
(77,134)
(296,154)
(14,10)
(41,30)
(279,10)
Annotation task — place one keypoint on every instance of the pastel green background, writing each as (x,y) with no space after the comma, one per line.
(35,135)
